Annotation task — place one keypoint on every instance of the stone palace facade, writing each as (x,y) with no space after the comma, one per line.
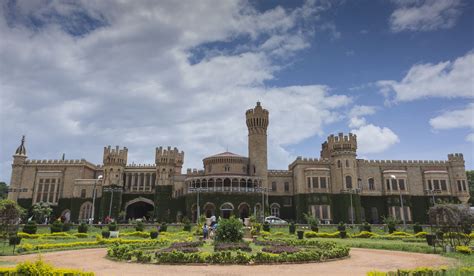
(335,187)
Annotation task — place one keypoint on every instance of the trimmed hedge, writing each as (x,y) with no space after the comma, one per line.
(40,268)
(426,271)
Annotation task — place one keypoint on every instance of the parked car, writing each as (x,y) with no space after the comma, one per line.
(275,220)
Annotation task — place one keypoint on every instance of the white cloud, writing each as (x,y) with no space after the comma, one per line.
(425,15)
(461,118)
(448,79)
(149,74)
(374,139)
(356,114)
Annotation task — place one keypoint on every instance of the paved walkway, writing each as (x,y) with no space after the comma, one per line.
(360,262)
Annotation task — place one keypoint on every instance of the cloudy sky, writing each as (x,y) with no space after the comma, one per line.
(78,75)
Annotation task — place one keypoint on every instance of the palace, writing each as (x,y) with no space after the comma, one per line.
(335,187)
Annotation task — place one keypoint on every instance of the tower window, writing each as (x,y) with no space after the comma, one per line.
(348,182)
(287,186)
(338,163)
(347,163)
(274,186)
(371,184)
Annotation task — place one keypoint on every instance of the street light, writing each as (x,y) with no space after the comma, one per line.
(197,190)
(401,201)
(350,192)
(262,189)
(99,178)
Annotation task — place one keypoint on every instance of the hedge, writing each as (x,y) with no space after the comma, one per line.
(56,235)
(426,271)
(40,268)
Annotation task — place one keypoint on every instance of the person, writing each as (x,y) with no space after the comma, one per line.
(205,231)
(213,220)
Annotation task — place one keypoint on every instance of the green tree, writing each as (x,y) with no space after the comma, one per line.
(41,211)
(470,181)
(10,213)
(3,190)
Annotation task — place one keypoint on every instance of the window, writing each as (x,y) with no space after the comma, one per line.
(444,187)
(274,186)
(315,182)
(287,186)
(348,182)
(459,186)
(322,182)
(430,185)
(464,185)
(394,185)
(275,209)
(388,184)
(83,193)
(436,184)
(338,163)
(309,182)
(401,183)
(322,212)
(396,211)
(85,212)
(347,163)
(371,184)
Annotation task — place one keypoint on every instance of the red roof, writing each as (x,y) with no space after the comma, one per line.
(226,154)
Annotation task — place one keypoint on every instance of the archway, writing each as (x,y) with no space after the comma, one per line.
(243,210)
(209,209)
(226,210)
(139,208)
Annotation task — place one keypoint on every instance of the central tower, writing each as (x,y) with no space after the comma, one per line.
(257,123)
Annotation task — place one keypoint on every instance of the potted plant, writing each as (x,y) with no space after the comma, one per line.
(292,228)
(113,229)
(153,234)
(312,221)
(417,228)
(300,234)
(391,223)
(341,227)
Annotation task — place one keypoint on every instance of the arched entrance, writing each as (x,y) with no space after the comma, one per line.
(226,210)
(244,210)
(209,209)
(139,208)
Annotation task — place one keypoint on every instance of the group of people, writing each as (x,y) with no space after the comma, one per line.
(209,231)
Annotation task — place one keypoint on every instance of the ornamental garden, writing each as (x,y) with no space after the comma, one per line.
(235,243)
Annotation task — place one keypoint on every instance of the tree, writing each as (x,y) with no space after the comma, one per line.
(470,181)
(41,211)
(10,213)
(451,221)
(3,190)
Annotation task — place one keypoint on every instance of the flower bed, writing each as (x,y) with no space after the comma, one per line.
(280,249)
(224,246)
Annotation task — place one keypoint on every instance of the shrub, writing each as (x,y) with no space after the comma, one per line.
(366,227)
(14,240)
(364,234)
(292,228)
(57,226)
(187,227)
(67,226)
(181,249)
(140,234)
(30,227)
(421,234)
(139,226)
(266,226)
(41,268)
(229,230)
(417,228)
(163,227)
(391,223)
(113,226)
(312,221)
(281,249)
(400,234)
(82,228)
(153,234)
(343,234)
(463,249)
(105,234)
(81,235)
(341,226)
(312,234)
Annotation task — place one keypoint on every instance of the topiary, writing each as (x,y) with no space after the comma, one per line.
(417,228)
(292,228)
(57,226)
(30,227)
(153,234)
(113,226)
(341,226)
(82,228)
(266,226)
(139,226)
(229,230)
(67,226)
(163,227)
(105,234)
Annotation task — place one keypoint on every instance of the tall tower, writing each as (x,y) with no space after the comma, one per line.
(169,163)
(257,123)
(115,161)
(19,160)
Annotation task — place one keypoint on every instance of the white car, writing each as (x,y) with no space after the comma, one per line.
(275,220)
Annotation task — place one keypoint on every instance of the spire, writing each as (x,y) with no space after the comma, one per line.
(21,150)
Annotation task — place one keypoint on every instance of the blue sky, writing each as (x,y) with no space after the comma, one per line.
(77,76)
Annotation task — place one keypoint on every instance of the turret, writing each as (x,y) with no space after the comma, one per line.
(169,163)
(115,161)
(19,160)
(257,124)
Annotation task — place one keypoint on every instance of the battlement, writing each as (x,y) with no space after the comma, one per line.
(279,173)
(194,172)
(339,143)
(169,156)
(115,156)
(146,166)
(406,162)
(257,118)
(455,157)
(309,161)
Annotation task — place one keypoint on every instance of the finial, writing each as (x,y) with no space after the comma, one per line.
(21,150)
(64,156)
(258,103)
(23,140)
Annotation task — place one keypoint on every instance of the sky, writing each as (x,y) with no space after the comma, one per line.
(76,76)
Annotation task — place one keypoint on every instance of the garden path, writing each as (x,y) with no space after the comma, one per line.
(360,262)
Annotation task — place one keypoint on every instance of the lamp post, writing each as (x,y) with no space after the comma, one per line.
(262,189)
(350,192)
(94,194)
(197,190)
(401,201)
(112,190)
(432,193)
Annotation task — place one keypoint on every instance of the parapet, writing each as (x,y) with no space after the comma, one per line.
(405,162)
(280,173)
(309,161)
(194,172)
(169,156)
(115,156)
(455,157)
(60,162)
(338,143)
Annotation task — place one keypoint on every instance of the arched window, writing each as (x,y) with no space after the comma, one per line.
(347,163)
(275,209)
(85,212)
(371,183)
(348,182)
(338,163)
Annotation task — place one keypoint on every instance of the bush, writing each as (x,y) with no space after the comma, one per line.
(463,249)
(421,234)
(417,228)
(341,227)
(105,234)
(140,234)
(312,221)
(153,234)
(40,268)
(187,227)
(81,235)
(364,235)
(113,226)
(30,227)
(163,227)
(266,226)
(57,226)
(67,226)
(139,226)
(229,230)
(281,249)
(82,228)
(292,228)
(223,246)
(14,240)
(366,227)
(312,234)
